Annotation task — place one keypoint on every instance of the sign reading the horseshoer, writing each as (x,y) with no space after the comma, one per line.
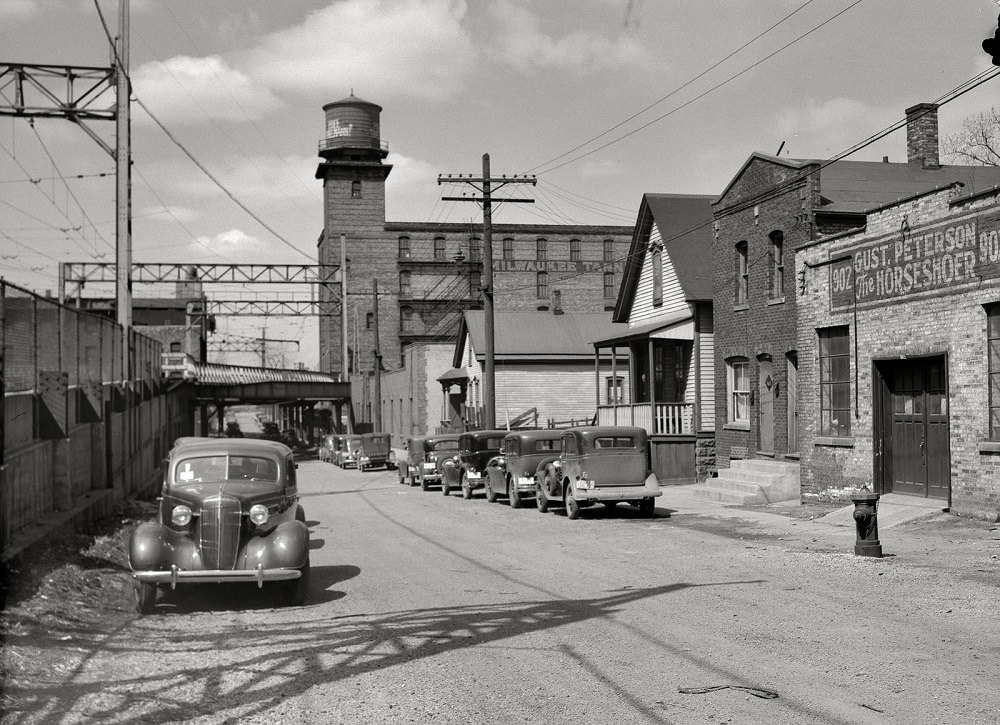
(947,256)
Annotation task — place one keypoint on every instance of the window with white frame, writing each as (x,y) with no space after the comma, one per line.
(738,390)
(614,390)
(657,276)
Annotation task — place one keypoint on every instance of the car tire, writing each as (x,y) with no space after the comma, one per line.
(647,507)
(572,504)
(294,592)
(541,502)
(145,597)
(445,488)
(513,496)
(466,488)
(491,495)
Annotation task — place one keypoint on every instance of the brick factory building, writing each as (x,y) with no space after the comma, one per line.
(773,207)
(427,273)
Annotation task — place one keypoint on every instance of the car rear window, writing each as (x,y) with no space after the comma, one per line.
(445,445)
(614,442)
(541,446)
(206,469)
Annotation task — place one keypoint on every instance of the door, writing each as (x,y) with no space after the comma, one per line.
(765,398)
(792,400)
(916,435)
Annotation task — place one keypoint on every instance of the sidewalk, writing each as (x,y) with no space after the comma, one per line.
(909,527)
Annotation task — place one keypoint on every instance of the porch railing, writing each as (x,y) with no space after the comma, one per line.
(656,418)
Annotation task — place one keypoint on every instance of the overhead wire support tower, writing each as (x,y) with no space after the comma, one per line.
(484,185)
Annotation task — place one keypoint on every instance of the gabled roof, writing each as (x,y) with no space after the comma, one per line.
(854,187)
(685,224)
(536,336)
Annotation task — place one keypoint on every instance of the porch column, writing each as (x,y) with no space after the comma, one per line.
(652,386)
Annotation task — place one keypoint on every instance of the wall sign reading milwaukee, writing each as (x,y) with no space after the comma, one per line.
(947,256)
(534,265)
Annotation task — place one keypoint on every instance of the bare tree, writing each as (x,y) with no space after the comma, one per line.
(978,143)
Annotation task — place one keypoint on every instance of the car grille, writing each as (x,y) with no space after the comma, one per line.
(220,532)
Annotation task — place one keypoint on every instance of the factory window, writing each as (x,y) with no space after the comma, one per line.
(542,285)
(405,290)
(541,250)
(439,249)
(609,284)
(475,283)
(742,272)
(175,347)
(834,382)
(355,189)
(369,320)
(738,388)
(404,248)
(508,248)
(609,250)
(574,250)
(993,350)
(475,250)
(777,270)
(406,319)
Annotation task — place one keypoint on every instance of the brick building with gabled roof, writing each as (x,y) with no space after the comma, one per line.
(772,207)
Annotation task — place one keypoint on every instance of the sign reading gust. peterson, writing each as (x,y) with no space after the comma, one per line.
(950,256)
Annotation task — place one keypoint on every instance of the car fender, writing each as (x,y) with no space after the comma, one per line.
(154,546)
(285,546)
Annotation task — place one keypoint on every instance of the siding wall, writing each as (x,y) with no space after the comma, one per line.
(643,312)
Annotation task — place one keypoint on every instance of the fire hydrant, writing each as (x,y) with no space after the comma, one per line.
(866,520)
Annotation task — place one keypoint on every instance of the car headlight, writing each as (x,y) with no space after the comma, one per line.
(181,515)
(258,514)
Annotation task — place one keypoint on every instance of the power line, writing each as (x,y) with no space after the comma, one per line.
(696,98)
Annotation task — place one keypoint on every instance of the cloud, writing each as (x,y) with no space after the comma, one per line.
(520,41)
(189,90)
(231,244)
(824,129)
(598,168)
(411,185)
(379,48)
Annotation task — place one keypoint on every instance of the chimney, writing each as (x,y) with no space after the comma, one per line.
(557,302)
(922,135)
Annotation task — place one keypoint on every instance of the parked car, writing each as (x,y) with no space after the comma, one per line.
(229,512)
(512,473)
(599,463)
(348,451)
(427,455)
(375,451)
(325,449)
(466,469)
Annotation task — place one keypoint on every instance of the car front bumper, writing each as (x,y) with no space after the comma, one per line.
(176,576)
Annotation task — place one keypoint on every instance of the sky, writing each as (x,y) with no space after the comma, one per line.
(601,100)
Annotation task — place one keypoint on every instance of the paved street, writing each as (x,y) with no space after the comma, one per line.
(425,608)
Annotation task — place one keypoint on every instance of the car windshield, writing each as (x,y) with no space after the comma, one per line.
(207,469)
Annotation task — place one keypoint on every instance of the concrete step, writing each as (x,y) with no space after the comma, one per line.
(748,475)
(722,495)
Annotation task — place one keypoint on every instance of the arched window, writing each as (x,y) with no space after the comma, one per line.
(508,248)
(657,261)
(355,189)
(406,319)
(404,247)
(574,250)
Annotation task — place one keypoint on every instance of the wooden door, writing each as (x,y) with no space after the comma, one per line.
(765,398)
(792,401)
(918,434)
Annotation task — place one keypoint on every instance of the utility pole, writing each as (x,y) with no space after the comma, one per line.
(377,413)
(486,188)
(343,310)
(123,171)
